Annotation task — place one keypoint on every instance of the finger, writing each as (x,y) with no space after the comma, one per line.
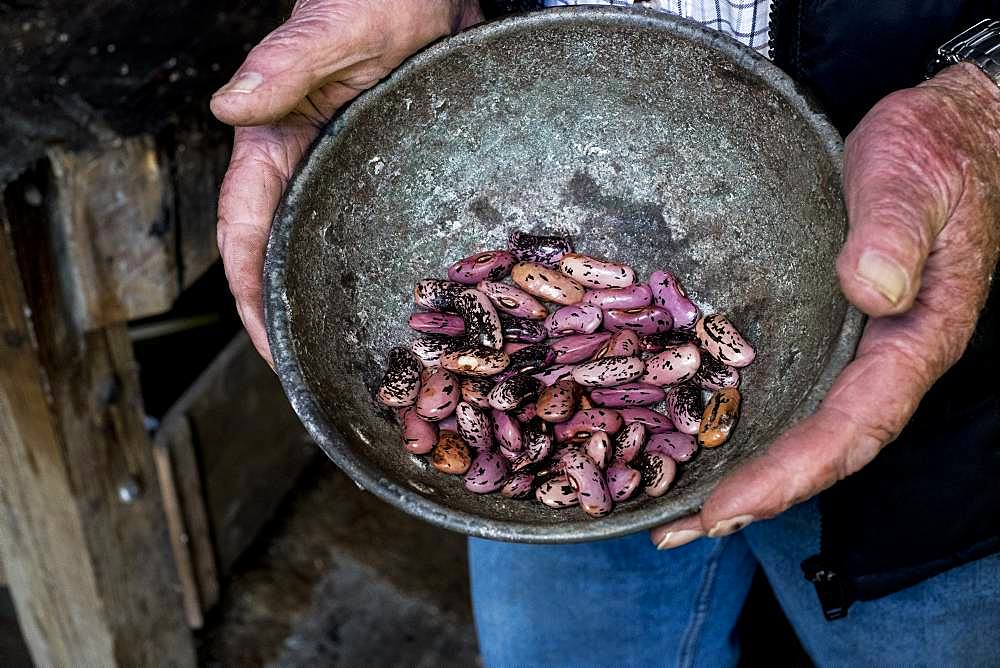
(258,171)
(899,192)
(677,533)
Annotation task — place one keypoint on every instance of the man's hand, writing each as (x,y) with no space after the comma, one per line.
(328,52)
(922,185)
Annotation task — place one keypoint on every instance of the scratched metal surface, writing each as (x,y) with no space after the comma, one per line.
(601,123)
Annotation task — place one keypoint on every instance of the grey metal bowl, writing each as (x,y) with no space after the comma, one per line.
(652,140)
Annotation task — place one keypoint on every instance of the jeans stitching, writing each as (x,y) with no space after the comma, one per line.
(702,601)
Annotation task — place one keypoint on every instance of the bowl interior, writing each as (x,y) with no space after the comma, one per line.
(651,140)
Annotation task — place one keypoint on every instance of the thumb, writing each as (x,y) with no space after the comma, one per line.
(898,201)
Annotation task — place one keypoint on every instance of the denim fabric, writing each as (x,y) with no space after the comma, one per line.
(623,603)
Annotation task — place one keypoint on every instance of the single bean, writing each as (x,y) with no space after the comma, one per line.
(522,329)
(474,426)
(608,371)
(586,422)
(720,417)
(444,324)
(673,366)
(491,266)
(633,296)
(623,481)
(588,480)
(677,445)
(723,341)
(543,249)
(475,361)
(577,319)
(655,343)
(401,381)
(557,402)
(537,445)
(520,485)
(714,375)
(532,358)
(546,283)
(658,471)
(430,348)
(437,295)
(628,394)
(526,413)
(451,454)
(596,273)
(512,392)
(486,473)
(439,394)
(557,492)
(481,320)
(624,342)
(450,423)
(476,391)
(419,436)
(629,441)
(507,432)
(645,320)
(654,422)
(669,293)
(554,374)
(578,347)
(599,449)
(684,406)
(513,301)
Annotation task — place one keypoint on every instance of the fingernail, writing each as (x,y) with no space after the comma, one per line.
(883,274)
(677,538)
(726,527)
(244,83)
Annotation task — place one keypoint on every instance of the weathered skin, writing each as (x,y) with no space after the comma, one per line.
(576,319)
(419,436)
(595,273)
(401,382)
(513,301)
(643,321)
(627,394)
(474,426)
(547,284)
(451,454)
(486,473)
(669,293)
(489,265)
(720,417)
(439,394)
(677,445)
(633,296)
(578,347)
(675,365)
(608,371)
(444,324)
(684,407)
(482,324)
(542,249)
(723,341)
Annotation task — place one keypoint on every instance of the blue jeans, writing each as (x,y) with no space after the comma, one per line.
(623,603)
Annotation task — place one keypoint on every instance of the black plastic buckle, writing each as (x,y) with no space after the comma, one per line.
(830,589)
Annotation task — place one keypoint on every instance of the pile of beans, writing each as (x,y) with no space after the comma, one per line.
(555,402)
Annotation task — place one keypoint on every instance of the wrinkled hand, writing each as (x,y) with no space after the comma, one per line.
(328,52)
(922,186)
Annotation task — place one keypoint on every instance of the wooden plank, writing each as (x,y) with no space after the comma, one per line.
(82,538)
(114,231)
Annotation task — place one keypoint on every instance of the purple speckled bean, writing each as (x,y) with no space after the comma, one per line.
(532,358)
(537,445)
(577,319)
(401,382)
(629,441)
(450,423)
(586,422)
(714,375)
(547,284)
(474,426)
(658,471)
(588,480)
(634,296)
(437,295)
(608,371)
(522,329)
(628,394)
(419,436)
(623,343)
(513,347)
(512,392)
(430,348)
(557,403)
(487,472)
(685,407)
(557,492)
(673,366)
(578,347)
(439,394)
(513,301)
(599,449)
(490,265)
(655,423)
(723,341)
(481,320)
(475,361)
(669,293)
(476,391)
(595,273)
(554,374)
(445,324)
(643,321)
(623,481)
(677,445)
(519,486)
(507,432)
(655,343)
(543,249)
(526,413)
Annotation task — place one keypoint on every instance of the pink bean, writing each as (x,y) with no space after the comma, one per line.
(557,492)
(419,436)
(677,445)
(628,394)
(655,423)
(608,371)
(487,472)
(437,295)
(474,426)
(513,347)
(491,265)
(595,273)
(623,481)
(578,347)
(669,293)
(557,403)
(576,319)
(674,365)
(512,392)
(450,423)
(401,382)
(723,341)
(624,342)
(445,324)
(643,321)
(685,407)
(554,374)
(476,391)
(588,480)
(599,449)
(546,283)
(507,431)
(481,320)
(513,301)
(526,413)
(634,296)
(714,375)
(629,442)
(543,249)
(537,446)
(518,486)
(586,422)
(658,471)
(439,394)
